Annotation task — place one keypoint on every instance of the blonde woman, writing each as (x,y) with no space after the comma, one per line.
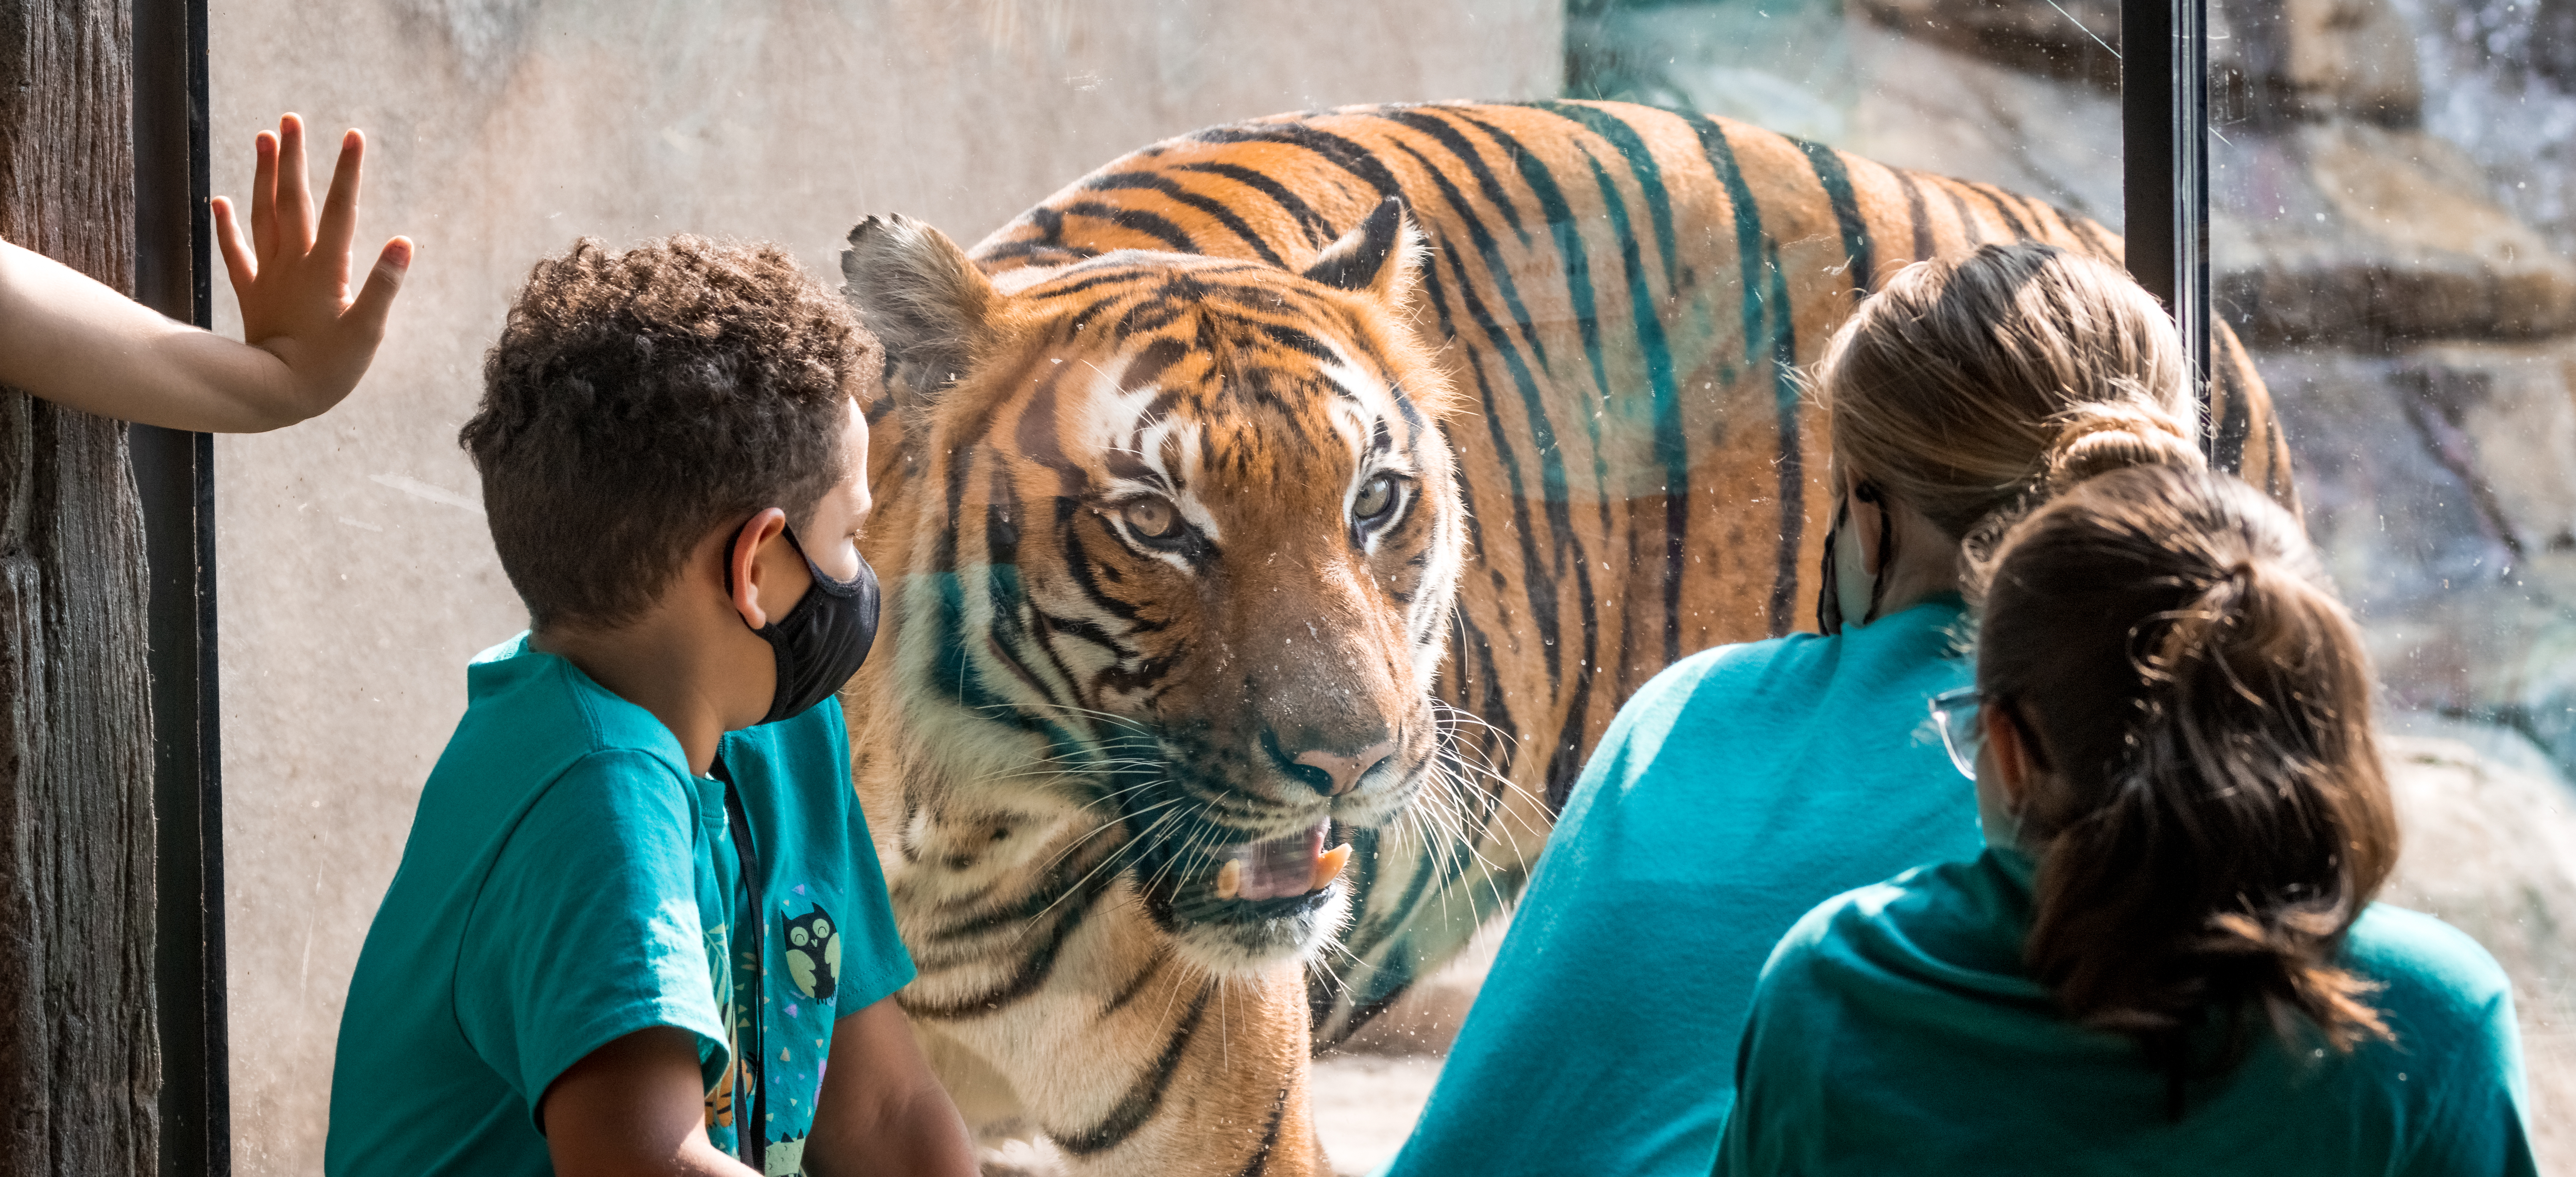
(2167,960)
(1748,783)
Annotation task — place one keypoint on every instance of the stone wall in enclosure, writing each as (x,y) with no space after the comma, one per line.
(357,578)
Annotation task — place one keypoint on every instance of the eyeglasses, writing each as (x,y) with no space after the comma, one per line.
(1955,713)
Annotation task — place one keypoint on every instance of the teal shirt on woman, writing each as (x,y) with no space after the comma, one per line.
(1895,1031)
(1735,791)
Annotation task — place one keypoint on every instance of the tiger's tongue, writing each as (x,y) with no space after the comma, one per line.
(1280,867)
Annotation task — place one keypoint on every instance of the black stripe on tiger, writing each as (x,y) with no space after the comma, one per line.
(1487,183)
(1135,220)
(1642,167)
(1144,1096)
(1488,252)
(1793,454)
(1968,226)
(1269,1137)
(1759,259)
(2003,206)
(1565,546)
(1836,181)
(1215,209)
(1539,589)
(1340,152)
(1916,215)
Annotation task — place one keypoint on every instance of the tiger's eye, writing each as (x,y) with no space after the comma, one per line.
(1152,518)
(1376,495)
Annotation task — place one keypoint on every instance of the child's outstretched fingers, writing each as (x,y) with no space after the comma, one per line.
(294,192)
(263,195)
(375,301)
(239,261)
(294,278)
(340,206)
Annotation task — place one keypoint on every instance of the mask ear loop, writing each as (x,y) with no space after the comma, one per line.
(824,581)
(1868,492)
(1829,602)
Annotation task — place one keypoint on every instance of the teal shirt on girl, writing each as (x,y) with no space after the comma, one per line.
(1735,791)
(1895,1031)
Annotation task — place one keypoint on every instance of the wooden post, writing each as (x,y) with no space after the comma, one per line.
(80,1067)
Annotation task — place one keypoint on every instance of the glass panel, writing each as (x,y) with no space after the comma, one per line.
(2391,238)
(1643,485)
(2022,95)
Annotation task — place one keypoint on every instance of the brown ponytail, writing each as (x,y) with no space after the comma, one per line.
(2209,812)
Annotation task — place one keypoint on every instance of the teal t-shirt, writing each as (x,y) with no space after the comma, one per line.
(1895,1031)
(567,882)
(1738,789)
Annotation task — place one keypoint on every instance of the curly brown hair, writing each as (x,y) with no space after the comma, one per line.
(637,400)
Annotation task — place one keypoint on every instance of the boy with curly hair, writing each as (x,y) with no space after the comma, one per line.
(639,924)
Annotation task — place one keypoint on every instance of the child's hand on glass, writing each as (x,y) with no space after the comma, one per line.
(80,344)
(292,276)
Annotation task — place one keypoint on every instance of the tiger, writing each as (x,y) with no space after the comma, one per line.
(1276,516)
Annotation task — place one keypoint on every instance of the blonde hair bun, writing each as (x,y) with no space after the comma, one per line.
(1972,387)
(2097,437)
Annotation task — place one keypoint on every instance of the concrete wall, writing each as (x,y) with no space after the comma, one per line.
(355,572)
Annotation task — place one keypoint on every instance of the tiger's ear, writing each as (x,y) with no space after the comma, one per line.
(1384,256)
(924,300)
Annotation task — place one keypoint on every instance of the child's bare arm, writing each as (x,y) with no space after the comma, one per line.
(881,1110)
(78,343)
(633,1106)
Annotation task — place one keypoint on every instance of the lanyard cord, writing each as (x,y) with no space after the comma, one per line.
(752,920)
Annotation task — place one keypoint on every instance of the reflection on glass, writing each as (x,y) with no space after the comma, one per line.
(2391,238)
(358,578)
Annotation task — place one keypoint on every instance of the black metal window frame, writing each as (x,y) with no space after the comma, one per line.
(2164,173)
(174,477)
(2164,78)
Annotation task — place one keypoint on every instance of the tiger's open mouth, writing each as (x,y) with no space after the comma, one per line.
(1240,907)
(1280,868)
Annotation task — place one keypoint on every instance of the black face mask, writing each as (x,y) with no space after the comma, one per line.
(1829,601)
(823,640)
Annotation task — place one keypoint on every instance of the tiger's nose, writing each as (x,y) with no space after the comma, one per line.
(1344,772)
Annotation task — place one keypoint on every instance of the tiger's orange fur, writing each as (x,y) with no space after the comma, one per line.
(1584,382)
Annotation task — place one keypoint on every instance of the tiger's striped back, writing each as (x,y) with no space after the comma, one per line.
(1619,296)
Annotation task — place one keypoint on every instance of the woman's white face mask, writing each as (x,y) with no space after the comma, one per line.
(1852,580)
(1998,818)
(1995,817)
(1848,593)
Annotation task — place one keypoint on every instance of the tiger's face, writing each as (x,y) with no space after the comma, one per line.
(1185,536)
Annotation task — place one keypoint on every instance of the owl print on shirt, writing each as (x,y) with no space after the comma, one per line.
(813,950)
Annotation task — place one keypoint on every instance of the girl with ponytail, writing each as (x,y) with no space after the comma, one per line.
(1746,784)
(2167,958)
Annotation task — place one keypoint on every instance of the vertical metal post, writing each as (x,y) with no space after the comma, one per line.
(175,479)
(2164,101)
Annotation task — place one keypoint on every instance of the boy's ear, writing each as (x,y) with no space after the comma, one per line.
(922,298)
